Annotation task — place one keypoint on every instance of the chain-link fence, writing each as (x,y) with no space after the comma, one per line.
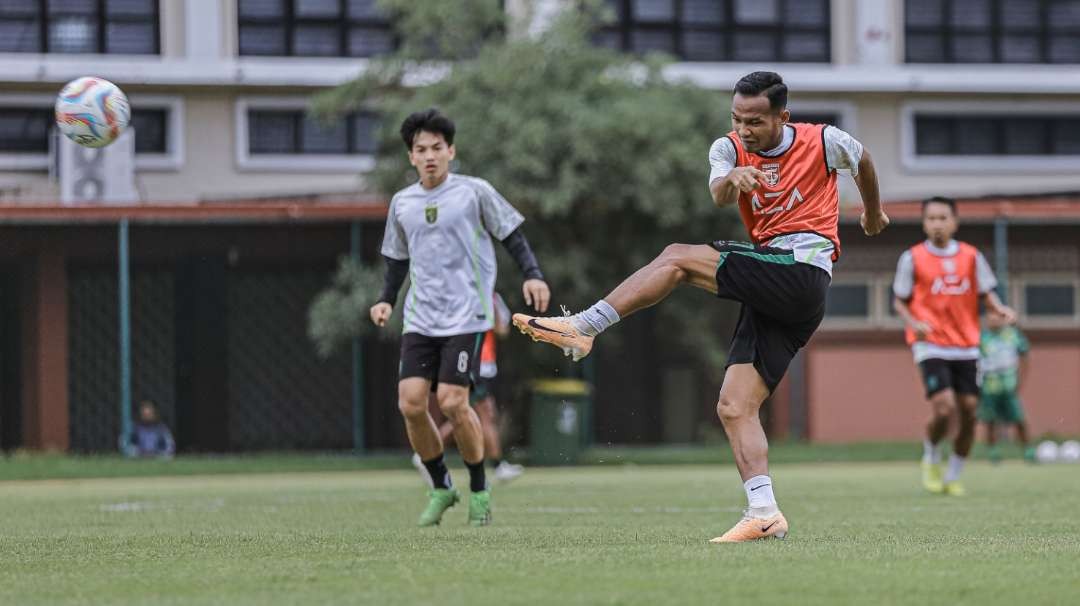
(281,394)
(278,393)
(94,374)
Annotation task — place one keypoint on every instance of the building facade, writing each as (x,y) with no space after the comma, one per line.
(968,98)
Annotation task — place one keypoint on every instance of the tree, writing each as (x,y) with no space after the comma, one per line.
(604,155)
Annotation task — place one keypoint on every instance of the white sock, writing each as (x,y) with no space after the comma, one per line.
(931,453)
(759,495)
(596,319)
(952,472)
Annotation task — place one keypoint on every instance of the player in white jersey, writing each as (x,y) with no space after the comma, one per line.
(438,231)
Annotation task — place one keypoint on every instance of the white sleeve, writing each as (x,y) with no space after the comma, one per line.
(499,217)
(842,150)
(394,244)
(722,159)
(904,282)
(984,275)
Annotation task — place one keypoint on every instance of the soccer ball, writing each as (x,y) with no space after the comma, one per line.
(1046,451)
(1069,451)
(92,112)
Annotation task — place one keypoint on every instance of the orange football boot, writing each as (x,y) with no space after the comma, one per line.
(752,529)
(557,331)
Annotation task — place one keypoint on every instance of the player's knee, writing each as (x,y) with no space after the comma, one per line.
(453,404)
(943,405)
(967,410)
(674,257)
(411,409)
(675,254)
(730,409)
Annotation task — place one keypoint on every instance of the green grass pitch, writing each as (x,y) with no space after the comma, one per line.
(861,533)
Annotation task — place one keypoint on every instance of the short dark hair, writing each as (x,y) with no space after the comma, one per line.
(431,121)
(769,84)
(940,200)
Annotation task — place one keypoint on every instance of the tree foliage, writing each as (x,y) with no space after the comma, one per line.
(604,155)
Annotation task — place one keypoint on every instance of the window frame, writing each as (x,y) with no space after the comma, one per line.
(289,22)
(171,160)
(1018,285)
(623,29)
(981,164)
(867,279)
(101,21)
(300,162)
(994,31)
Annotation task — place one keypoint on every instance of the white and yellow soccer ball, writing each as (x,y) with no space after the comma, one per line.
(92,112)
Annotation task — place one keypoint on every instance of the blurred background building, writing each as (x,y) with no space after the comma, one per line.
(243,204)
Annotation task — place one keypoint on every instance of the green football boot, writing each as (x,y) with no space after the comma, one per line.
(994,453)
(1029,454)
(440,499)
(480,508)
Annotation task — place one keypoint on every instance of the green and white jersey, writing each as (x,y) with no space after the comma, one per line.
(999,359)
(445,233)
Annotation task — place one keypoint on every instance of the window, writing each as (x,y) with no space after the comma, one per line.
(848,301)
(276,134)
(997,135)
(815,117)
(1049,299)
(314,28)
(992,31)
(722,30)
(151,130)
(275,131)
(25,129)
(27,125)
(79,26)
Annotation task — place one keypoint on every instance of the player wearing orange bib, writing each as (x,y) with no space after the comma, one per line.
(783,179)
(939,284)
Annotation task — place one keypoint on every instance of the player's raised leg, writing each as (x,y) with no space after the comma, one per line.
(677,264)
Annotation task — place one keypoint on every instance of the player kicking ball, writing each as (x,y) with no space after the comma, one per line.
(439,231)
(783,178)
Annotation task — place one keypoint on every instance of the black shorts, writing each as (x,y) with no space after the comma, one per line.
(454,360)
(958,375)
(783,302)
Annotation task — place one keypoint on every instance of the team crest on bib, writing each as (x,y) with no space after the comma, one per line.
(772,173)
(431,213)
(949,266)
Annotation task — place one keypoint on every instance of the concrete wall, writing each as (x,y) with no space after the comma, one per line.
(861,391)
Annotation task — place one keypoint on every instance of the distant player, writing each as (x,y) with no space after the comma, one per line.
(783,178)
(483,401)
(439,231)
(939,284)
(1003,364)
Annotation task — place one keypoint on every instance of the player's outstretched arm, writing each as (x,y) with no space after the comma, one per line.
(725,191)
(873,219)
(396,270)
